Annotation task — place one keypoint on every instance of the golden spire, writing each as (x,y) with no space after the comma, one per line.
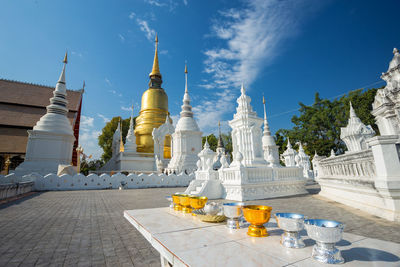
(156,68)
(121,143)
(65,58)
(263,100)
(186,68)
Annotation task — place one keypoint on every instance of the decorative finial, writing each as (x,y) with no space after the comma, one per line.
(242,90)
(65,61)
(352,112)
(395,51)
(186,79)
(263,99)
(156,68)
(289,145)
(83,86)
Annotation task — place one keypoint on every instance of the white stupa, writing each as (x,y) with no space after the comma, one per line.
(51,141)
(130,142)
(356,133)
(186,140)
(116,143)
(303,161)
(289,155)
(246,132)
(271,150)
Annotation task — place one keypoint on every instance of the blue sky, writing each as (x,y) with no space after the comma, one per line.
(286,50)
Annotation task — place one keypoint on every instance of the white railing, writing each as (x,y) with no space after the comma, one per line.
(259,175)
(104,181)
(359,165)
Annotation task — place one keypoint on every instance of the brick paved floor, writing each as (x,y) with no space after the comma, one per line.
(87,228)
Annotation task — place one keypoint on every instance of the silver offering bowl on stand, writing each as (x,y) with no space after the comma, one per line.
(233,211)
(291,224)
(325,233)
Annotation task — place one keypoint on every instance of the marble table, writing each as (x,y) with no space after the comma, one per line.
(183,240)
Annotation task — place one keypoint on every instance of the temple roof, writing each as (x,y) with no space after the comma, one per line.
(22,104)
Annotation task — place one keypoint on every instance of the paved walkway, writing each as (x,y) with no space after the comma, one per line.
(87,228)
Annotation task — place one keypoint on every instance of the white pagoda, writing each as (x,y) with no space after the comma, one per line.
(51,141)
(355,133)
(271,150)
(186,140)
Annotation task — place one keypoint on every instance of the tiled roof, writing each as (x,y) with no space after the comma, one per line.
(22,104)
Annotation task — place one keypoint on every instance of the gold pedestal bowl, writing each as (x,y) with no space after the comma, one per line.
(257,215)
(197,202)
(184,200)
(177,205)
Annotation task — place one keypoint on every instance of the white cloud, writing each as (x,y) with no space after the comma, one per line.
(107,81)
(185,2)
(250,38)
(89,141)
(86,122)
(121,37)
(163,52)
(126,108)
(105,119)
(114,92)
(155,3)
(132,15)
(76,53)
(144,27)
(171,4)
(88,137)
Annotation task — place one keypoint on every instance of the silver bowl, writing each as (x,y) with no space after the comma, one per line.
(325,233)
(233,211)
(291,224)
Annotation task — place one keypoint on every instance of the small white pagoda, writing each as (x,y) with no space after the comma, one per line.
(355,133)
(271,150)
(51,141)
(289,155)
(186,140)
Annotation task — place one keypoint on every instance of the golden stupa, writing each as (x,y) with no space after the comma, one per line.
(153,112)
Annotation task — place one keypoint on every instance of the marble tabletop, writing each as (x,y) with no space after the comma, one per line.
(184,240)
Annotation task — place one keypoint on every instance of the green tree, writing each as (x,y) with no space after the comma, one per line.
(90,165)
(105,139)
(318,125)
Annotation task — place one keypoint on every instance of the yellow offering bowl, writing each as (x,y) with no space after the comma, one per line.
(184,200)
(197,202)
(257,215)
(177,205)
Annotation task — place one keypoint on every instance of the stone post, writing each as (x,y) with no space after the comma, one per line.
(387,163)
